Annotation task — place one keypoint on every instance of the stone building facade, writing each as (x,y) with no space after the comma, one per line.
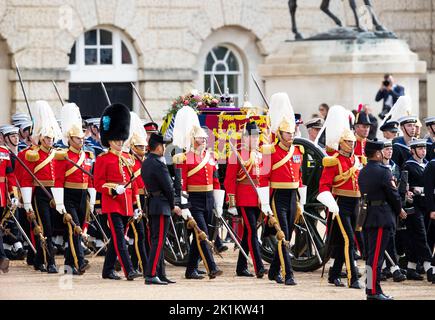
(165,46)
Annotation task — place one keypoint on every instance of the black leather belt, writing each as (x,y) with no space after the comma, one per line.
(375,203)
(156,193)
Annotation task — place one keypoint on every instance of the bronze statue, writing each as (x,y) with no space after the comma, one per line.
(325,8)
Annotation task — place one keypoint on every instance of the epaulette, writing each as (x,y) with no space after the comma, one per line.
(90,154)
(267,148)
(179,158)
(330,161)
(60,154)
(103,153)
(301,148)
(32,155)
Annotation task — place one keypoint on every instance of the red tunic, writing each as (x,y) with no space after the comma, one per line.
(137,173)
(340,176)
(236,183)
(7,176)
(114,168)
(40,161)
(359,150)
(198,171)
(286,174)
(69,176)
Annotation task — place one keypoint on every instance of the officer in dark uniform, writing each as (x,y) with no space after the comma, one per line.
(429,191)
(401,150)
(156,177)
(418,249)
(389,129)
(383,204)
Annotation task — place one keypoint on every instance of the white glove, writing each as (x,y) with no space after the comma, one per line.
(60,208)
(14,202)
(92,198)
(137,214)
(233,211)
(219,212)
(266,209)
(185,213)
(334,214)
(120,189)
(28,207)
(328,200)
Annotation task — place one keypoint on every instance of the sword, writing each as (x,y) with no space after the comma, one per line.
(311,238)
(141,101)
(105,93)
(176,237)
(24,91)
(261,91)
(58,93)
(21,230)
(106,239)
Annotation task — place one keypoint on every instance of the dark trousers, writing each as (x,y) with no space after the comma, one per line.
(138,250)
(377,240)
(2,251)
(391,247)
(417,248)
(44,215)
(250,239)
(343,240)
(24,222)
(430,229)
(15,235)
(117,246)
(75,205)
(284,209)
(146,223)
(159,228)
(202,209)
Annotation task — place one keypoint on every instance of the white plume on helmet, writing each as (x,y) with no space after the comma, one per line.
(186,127)
(402,108)
(71,122)
(336,124)
(138,135)
(281,112)
(44,122)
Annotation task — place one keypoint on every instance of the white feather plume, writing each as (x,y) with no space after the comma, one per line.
(44,121)
(70,117)
(402,108)
(137,130)
(280,109)
(186,120)
(334,126)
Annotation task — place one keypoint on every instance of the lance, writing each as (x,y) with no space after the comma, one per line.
(58,93)
(141,101)
(261,91)
(105,93)
(24,91)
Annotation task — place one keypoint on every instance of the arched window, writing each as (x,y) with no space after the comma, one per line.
(224,63)
(101,55)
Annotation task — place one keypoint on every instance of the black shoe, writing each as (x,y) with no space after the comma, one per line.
(430,276)
(72,270)
(20,254)
(52,268)
(275,277)
(343,274)
(380,296)
(154,280)
(165,279)
(398,276)
(111,276)
(336,282)
(260,274)
(222,248)
(420,269)
(85,266)
(244,273)
(29,260)
(201,271)
(356,285)
(194,275)
(290,282)
(214,273)
(4,265)
(387,273)
(133,275)
(40,267)
(411,274)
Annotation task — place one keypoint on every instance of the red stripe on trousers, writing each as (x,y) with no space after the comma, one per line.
(115,242)
(356,242)
(248,226)
(148,235)
(159,246)
(32,237)
(375,260)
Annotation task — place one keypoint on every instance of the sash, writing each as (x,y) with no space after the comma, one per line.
(199,166)
(284,160)
(79,163)
(45,162)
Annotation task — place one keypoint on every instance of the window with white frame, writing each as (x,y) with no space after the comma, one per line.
(102,54)
(225,64)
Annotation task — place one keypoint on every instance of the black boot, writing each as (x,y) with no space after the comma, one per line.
(398,276)
(413,275)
